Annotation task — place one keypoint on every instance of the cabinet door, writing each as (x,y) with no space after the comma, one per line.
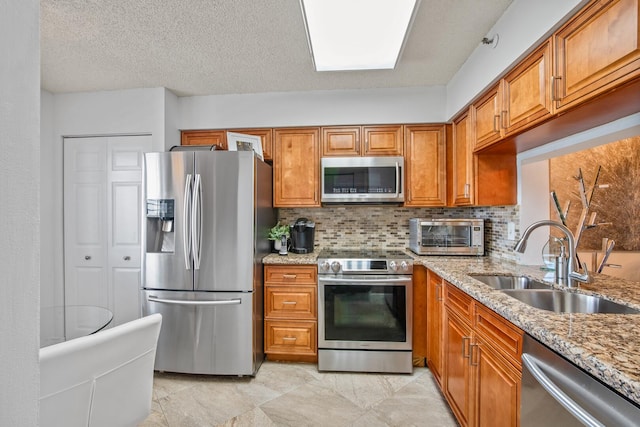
(457,352)
(485,117)
(435,313)
(341,141)
(463,177)
(425,166)
(526,94)
(383,140)
(595,51)
(497,387)
(296,167)
(266,136)
(204,137)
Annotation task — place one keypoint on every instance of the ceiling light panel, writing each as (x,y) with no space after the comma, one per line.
(357,34)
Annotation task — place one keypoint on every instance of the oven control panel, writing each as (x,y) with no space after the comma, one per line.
(365,266)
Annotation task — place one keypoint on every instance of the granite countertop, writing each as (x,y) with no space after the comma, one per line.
(605,345)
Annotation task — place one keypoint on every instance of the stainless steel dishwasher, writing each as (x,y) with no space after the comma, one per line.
(555,392)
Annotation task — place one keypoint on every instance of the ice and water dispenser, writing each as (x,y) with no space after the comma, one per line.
(160,225)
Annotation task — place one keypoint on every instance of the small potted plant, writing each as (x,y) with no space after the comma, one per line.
(276,232)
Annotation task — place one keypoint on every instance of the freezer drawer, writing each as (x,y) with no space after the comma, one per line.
(206,332)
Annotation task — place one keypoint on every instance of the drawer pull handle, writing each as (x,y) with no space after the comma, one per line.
(289,302)
(289,338)
(289,276)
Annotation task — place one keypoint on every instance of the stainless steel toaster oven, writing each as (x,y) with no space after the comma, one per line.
(446,236)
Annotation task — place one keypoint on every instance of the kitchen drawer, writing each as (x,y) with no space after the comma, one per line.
(500,334)
(291,274)
(294,302)
(291,337)
(459,302)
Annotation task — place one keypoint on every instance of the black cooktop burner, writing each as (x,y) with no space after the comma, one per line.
(369,253)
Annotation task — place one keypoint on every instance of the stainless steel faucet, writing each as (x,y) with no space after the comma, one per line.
(573,273)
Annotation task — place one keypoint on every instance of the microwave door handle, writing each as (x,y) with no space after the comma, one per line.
(186,223)
(397,180)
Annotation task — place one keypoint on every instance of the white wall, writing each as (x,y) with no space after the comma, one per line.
(375,106)
(19,227)
(524,24)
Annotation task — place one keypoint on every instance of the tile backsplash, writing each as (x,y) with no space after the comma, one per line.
(385,226)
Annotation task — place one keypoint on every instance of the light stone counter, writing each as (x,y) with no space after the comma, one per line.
(605,345)
(291,258)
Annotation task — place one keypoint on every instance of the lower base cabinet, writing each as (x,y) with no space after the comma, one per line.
(482,371)
(290,313)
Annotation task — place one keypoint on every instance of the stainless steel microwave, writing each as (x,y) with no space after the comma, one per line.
(375,180)
(446,236)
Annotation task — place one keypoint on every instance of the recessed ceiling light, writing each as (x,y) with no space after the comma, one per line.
(357,34)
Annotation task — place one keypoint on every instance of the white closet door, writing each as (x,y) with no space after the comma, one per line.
(102,217)
(124,177)
(85,223)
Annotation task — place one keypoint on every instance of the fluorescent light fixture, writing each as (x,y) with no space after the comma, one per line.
(357,34)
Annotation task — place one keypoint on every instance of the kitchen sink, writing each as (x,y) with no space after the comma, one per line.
(568,302)
(510,282)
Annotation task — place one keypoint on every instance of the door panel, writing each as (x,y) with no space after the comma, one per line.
(228,239)
(164,265)
(102,211)
(204,339)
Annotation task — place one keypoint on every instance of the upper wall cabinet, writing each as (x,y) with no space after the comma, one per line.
(485,118)
(526,93)
(348,141)
(462,159)
(425,166)
(296,160)
(204,137)
(219,138)
(520,100)
(266,136)
(598,49)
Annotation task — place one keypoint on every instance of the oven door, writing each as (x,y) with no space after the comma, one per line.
(365,312)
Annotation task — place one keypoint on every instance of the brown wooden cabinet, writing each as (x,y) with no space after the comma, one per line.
(290,312)
(420,315)
(485,119)
(526,92)
(346,141)
(296,164)
(595,51)
(382,140)
(435,315)
(204,137)
(458,334)
(462,162)
(482,373)
(266,136)
(425,166)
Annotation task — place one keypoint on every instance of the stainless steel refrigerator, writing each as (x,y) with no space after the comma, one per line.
(206,220)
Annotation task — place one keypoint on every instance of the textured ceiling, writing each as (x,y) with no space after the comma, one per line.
(207,47)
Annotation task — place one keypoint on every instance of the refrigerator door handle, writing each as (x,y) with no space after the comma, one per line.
(235,301)
(186,223)
(196,221)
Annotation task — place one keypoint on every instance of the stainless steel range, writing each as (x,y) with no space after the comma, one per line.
(365,300)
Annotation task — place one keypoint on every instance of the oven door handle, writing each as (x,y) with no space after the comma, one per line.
(365,280)
(560,396)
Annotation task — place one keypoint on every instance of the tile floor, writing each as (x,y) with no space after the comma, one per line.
(295,394)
